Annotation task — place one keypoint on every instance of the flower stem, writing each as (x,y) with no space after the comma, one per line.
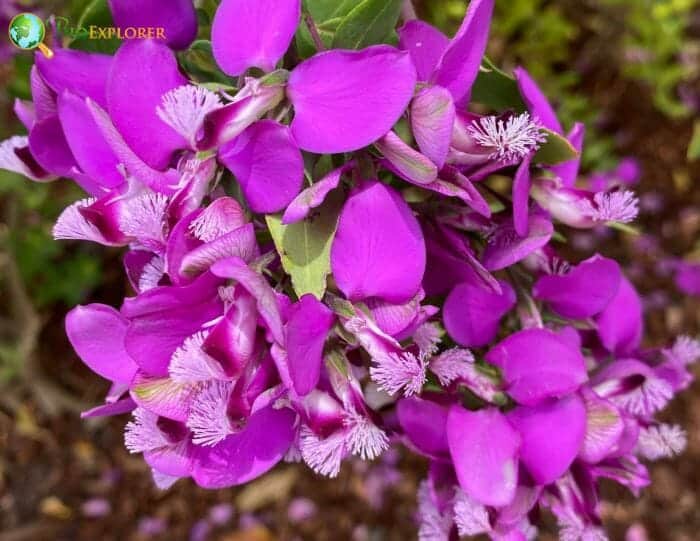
(313,30)
(408,12)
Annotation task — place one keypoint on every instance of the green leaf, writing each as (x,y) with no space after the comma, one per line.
(322,10)
(198,62)
(97,13)
(496,89)
(694,146)
(305,247)
(305,44)
(556,150)
(371,22)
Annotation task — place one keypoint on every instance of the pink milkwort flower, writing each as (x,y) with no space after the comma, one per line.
(582,209)
(509,139)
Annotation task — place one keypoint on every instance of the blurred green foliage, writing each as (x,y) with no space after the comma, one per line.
(643,40)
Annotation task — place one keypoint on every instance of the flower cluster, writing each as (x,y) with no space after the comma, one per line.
(323,265)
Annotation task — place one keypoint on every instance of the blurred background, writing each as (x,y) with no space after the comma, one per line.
(630,69)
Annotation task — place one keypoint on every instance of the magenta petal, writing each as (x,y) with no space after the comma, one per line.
(50,148)
(119,407)
(459,65)
(432,120)
(142,72)
(177,18)
(307,329)
(378,249)
(247,454)
(257,286)
(158,181)
(238,243)
(472,313)
(403,160)
(568,171)
(163,396)
(621,324)
(43,98)
(424,423)
(314,196)
(163,317)
(552,435)
(425,43)
(604,428)
(346,100)
(97,334)
(84,74)
(584,292)
(253,33)
(537,364)
(484,449)
(521,198)
(268,165)
(92,152)
(506,247)
(537,102)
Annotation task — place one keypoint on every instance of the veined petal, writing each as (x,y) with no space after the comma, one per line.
(604,428)
(486,440)
(378,249)
(239,243)
(346,100)
(584,292)
(177,18)
(432,119)
(552,435)
(406,162)
(247,454)
(425,43)
(460,63)
(537,364)
(308,325)
(253,33)
(142,72)
(163,396)
(268,165)
(314,196)
(16,157)
(43,98)
(257,286)
(97,333)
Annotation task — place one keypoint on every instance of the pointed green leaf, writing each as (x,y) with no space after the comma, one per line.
(496,89)
(556,150)
(305,247)
(371,22)
(97,13)
(322,10)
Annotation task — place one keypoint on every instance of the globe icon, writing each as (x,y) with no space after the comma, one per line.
(27,31)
